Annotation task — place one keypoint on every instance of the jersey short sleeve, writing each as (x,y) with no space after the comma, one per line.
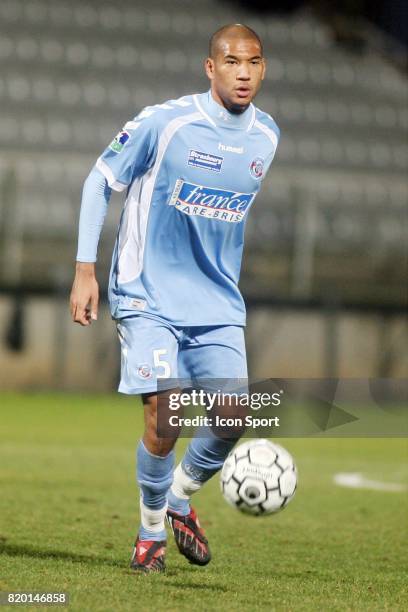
(131,153)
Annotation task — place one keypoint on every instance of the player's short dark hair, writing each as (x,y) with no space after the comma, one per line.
(247,32)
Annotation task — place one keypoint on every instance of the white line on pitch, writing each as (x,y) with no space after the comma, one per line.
(354,480)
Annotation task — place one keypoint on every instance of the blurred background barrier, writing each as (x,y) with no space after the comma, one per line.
(325,265)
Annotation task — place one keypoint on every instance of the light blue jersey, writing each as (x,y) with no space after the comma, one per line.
(192,171)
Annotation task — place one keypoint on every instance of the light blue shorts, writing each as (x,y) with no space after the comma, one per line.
(153,350)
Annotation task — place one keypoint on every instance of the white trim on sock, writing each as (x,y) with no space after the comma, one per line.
(183,485)
(153,520)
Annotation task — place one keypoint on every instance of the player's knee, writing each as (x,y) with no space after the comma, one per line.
(229,421)
(228,429)
(158,439)
(157,446)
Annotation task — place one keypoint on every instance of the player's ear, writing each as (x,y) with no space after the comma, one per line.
(209,68)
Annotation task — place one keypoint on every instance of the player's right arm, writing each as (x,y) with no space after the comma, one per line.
(84,294)
(85,291)
(130,154)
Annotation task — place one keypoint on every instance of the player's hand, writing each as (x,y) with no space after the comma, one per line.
(84,295)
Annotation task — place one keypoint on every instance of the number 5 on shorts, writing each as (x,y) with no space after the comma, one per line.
(157,353)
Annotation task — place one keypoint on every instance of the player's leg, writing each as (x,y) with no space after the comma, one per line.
(217,357)
(155,464)
(149,352)
(213,356)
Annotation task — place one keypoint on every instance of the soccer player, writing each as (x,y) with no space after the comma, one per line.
(191,169)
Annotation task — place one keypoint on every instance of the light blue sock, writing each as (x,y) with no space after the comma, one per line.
(204,457)
(181,506)
(154,475)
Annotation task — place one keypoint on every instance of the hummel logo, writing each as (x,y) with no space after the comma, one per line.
(229,149)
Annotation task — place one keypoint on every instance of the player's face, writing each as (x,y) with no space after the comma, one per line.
(236,72)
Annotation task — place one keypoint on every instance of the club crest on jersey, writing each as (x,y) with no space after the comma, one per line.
(198,200)
(205,160)
(256,167)
(144,371)
(119,141)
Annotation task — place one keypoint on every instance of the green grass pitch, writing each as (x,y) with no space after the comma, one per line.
(69,512)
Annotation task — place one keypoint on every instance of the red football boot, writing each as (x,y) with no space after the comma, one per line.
(148,556)
(189,536)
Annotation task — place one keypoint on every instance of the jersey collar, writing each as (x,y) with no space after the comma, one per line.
(217,115)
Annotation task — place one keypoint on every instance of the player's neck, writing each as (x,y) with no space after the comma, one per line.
(234,110)
(223,116)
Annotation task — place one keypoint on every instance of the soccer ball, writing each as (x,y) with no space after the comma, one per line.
(259,477)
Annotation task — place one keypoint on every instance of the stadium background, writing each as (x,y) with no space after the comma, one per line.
(325,262)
